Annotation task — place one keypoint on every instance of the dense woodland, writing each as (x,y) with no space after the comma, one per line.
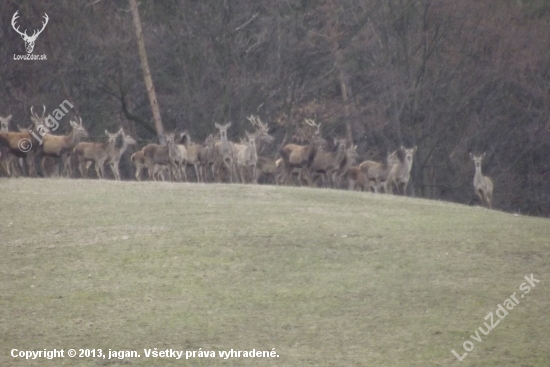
(450,77)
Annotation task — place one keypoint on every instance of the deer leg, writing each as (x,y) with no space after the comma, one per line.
(43,165)
(198,173)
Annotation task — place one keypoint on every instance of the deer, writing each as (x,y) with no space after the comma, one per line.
(348,161)
(164,154)
(261,137)
(206,158)
(247,159)
(326,163)
(400,173)
(355,176)
(138,159)
(29,40)
(225,152)
(22,145)
(301,157)
(7,163)
(114,154)
(376,174)
(483,185)
(184,148)
(97,153)
(269,167)
(61,146)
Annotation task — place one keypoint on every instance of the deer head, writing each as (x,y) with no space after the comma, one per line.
(79,130)
(223,130)
(409,153)
(29,40)
(261,129)
(477,160)
(38,120)
(5,123)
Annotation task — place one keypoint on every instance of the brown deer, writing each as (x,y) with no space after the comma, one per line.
(164,154)
(400,173)
(7,161)
(268,167)
(225,153)
(206,159)
(376,174)
(87,154)
(326,163)
(483,185)
(61,146)
(23,145)
(183,146)
(138,159)
(348,161)
(247,159)
(114,154)
(355,177)
(301,157)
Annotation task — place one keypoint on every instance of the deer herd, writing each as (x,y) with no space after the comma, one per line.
(316,161)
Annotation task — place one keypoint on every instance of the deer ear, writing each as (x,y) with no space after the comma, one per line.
(415,148)
(8,118)
(73,123)
(217,125)
(483,155)
(228,125)
(107,133)
(402,148)
(471,155)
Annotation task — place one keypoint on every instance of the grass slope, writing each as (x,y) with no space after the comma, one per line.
(327,278)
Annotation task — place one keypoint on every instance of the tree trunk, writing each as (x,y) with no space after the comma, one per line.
(333,28)
(147,74)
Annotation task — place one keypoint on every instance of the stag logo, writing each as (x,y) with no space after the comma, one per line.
(29,40)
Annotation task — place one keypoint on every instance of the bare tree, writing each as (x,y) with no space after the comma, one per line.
(147,73)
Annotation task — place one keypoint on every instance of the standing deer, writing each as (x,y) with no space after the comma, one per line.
(206,159)
(345,165)
(225,152)
(401,172)
(247,159)
(61,146)
(97,153)
(355,176)
(483,186)
(165,155)
(114,154)
(301,157)
(326,163)
(247,156)
(22,145)
(7,161)
(138,159)
(185,141)
(377,174)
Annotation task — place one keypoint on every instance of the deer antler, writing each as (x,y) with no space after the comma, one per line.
(24,34)
(257,122)
(13,19)
(46,19)
(312,123)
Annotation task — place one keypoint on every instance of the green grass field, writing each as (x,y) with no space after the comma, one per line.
(327,278)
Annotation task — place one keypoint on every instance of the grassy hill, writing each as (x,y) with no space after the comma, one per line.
(327,278)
